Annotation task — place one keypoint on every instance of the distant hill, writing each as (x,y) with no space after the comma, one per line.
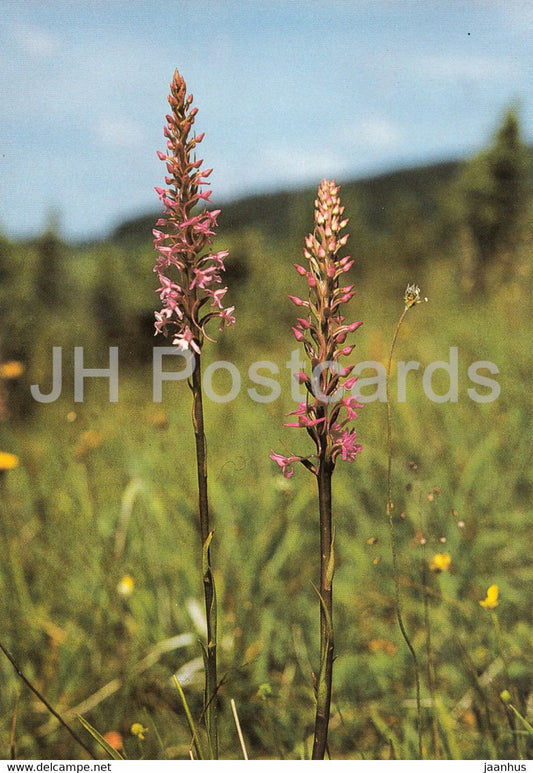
(280,214)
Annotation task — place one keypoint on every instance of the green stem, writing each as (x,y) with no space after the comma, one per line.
(325,471)
(195,740)
(430,667)
(510,716)
(396,572)
(522,719)
(43,700)
(211,684)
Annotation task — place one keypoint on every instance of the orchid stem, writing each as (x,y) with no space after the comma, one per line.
(210,651)
(325,678)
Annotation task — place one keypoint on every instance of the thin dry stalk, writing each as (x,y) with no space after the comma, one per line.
(43,700)
(239,731)
(412,297)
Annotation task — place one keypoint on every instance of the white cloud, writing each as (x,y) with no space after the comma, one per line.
(36,42)
(273,167)
(371,134)
(329,155)
(290,164)
(469,66)
(118,132)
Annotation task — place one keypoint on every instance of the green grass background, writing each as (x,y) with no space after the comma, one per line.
(83,510)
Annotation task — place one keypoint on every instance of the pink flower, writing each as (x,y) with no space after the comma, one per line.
(162,318)
(298,301)
(203,277)
(285,462)
(353,327)
(347,295)
(185,340)
(226,315)
(346,351)
(346,445)
(351,381)
(350,403)
(305,417)
(324,334)
(217,295)
(187,270)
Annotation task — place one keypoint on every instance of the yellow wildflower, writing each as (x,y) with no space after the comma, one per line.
(138,730)
(11,369)
(125,586)
(8,461)
(491,601)
(440,562)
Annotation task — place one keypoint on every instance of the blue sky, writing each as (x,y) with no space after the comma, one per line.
(288,91)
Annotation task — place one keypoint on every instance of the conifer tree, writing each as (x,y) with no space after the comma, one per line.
(493,198)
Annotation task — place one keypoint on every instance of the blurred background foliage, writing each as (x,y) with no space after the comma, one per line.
(100,579)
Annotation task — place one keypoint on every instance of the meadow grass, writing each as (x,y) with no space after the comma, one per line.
(83,511)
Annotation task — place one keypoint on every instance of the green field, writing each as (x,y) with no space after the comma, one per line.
(105,491)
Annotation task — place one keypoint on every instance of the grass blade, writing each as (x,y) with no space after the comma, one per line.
(190,720)
(100,740)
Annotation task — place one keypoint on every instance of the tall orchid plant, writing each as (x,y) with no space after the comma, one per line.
(192,295)
(326,414)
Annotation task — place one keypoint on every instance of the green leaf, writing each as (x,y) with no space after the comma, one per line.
(113,753)
(190,720)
